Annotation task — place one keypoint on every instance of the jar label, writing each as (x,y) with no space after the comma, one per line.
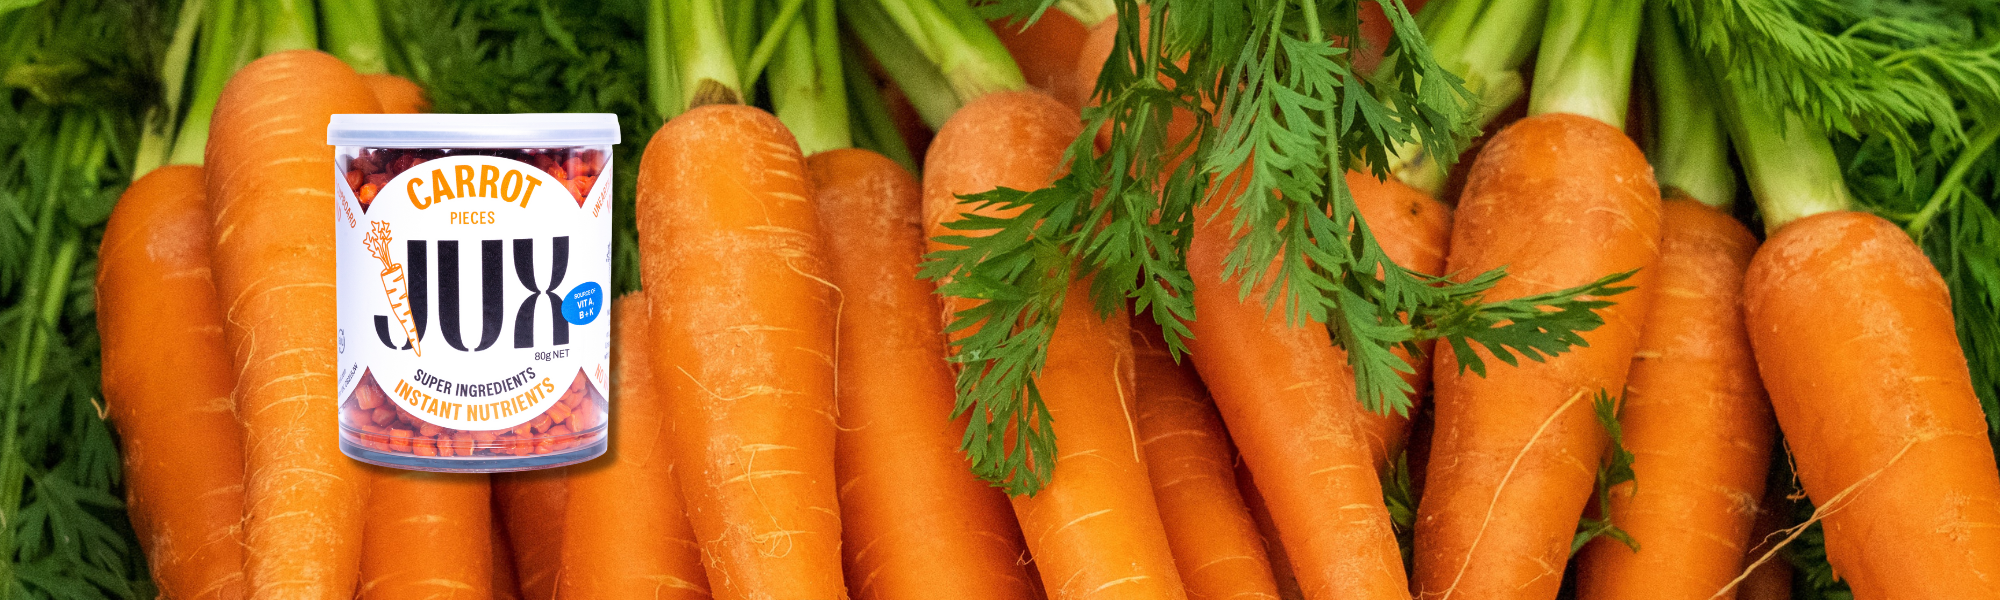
(470,288)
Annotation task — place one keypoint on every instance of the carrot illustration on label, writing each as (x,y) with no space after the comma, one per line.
(393,283)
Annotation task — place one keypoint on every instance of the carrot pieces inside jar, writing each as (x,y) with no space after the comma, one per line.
(575,169)
(370,418)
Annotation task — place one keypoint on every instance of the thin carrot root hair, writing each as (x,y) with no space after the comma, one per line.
(1832,505)
(1466,562)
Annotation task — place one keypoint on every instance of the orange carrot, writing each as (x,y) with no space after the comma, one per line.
(506,586)
(270,190)
(1216,545)
(167,381)
(429,535)
(1048,52)
(1695,417)
(1560,200)
(1094,530)
(743,343)
(1413,229)
(531,504)
(915,523)
(1287,395)
(646,553)
(1267,528)
(1853,333)
(397,95)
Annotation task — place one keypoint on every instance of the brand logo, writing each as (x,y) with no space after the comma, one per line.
(414,315)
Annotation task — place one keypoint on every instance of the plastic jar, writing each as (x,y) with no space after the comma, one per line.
(473,261)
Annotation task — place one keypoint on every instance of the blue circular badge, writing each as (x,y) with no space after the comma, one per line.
(583,303)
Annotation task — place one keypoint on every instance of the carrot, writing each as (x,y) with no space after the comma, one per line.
(1215,541)
(270,192)
(397,95)
(1413,229)
(1559,200)
(1048,52)
(531,504)
(1267,528)
(506,586)
(167,381)
(646,553)
(1094,530)
(1695,417)
(743,339)
(1853,333)
(915,523)
(429,535)
(1287,395)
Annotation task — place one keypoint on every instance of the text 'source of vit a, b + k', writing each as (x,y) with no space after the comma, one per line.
(474,261)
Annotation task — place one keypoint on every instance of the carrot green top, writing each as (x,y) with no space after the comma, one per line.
(1484,42)
(1692,154)
(1585,64)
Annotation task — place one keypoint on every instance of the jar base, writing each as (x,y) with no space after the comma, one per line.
(481,464)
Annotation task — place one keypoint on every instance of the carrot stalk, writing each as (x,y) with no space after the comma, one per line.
(1094,529)
(230,41)
(288,25)
(1485,42)
(167,382)
(429,535)
(707,69)
(915,523)
(270,193)
(874,127)
(649,553)
(354,34)
(1558,199)
(807,85)
(1216,545)
(952,36)
(156,141)
(743,341)
(920,80)
(1288,398)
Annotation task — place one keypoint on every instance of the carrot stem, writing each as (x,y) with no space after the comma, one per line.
(1485,42)
(807,86)
(289,25)
(1693,150)
(707,68)
(779,31)
(663,80)
(1953,184)
(354,34)
(1789,161)
(920,80)
(954,38)
(1088,12)
(229,42)
(1585,63)
(872,126)
(156,143)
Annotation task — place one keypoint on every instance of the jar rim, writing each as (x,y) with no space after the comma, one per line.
(445,130)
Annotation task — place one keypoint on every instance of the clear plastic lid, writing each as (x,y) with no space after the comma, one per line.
(529,130)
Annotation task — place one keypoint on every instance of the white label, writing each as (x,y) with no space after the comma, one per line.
(476,289)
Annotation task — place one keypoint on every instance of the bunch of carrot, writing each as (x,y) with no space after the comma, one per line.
(785,422)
